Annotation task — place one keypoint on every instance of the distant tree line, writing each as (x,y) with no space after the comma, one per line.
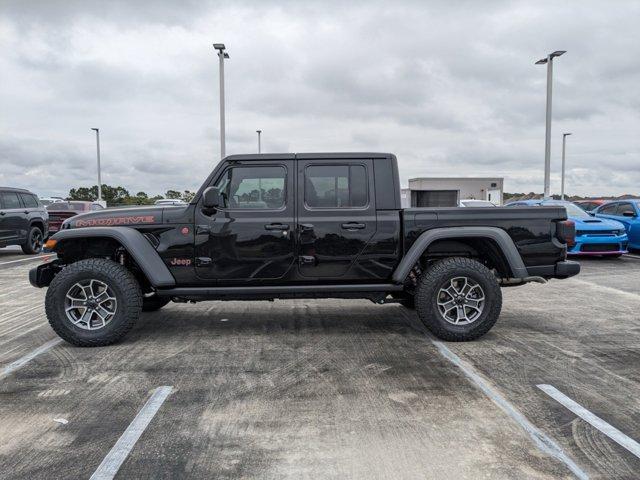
(115,196)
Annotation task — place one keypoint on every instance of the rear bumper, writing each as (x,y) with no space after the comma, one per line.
(562,269)
(567,269)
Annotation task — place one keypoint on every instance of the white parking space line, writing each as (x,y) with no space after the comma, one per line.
(120,451)
(43,257)
(593,420)
(543,442)
(12,367)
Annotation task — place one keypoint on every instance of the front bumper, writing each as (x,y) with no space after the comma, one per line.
(42,275)
(599,245)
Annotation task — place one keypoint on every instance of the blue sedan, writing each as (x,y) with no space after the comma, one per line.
(594,236)
(627,212)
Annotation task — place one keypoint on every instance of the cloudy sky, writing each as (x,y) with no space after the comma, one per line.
(450,87)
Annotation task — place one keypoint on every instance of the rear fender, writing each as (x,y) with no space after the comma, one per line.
(499,236)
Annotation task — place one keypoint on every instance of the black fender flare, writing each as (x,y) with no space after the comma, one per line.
(134,242)
(502,239)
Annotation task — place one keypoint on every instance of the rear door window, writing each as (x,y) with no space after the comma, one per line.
(29,200)
(336,186)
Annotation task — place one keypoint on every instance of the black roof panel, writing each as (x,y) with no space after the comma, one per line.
(306,156)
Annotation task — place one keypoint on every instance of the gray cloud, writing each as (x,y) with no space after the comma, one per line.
(451,88)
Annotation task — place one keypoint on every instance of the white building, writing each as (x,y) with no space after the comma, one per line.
(447,192)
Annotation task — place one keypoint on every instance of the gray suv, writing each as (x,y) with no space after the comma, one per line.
(23,220)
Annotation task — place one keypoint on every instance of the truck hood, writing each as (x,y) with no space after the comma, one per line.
(118,217)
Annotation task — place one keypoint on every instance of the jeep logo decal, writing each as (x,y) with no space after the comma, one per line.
(180,262)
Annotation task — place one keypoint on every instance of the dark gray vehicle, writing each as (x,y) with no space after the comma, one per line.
(23,220)
(315,225)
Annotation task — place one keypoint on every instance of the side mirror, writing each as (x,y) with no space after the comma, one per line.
(628,214)
(211,197)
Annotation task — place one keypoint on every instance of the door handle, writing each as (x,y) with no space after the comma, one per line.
(2,213)
(353,226)
(305,226)
(277,226)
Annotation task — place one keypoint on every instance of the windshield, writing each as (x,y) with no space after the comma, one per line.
(572,209)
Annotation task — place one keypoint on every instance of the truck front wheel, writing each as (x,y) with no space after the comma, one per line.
(458,299)
(93,302)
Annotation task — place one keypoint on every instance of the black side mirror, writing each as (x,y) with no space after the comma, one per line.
(628,214)
(211,197)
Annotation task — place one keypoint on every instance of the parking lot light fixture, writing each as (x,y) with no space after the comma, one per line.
(548,60)
(222,54)
(259,145)
(97,130)
(564,145)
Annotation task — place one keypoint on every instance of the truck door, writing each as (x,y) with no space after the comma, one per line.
(250,237)
(336,215)
(13,217)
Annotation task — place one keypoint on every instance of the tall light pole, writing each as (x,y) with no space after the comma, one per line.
(221,55)
(259,146)
(547,143)
(564,145)
(97,130)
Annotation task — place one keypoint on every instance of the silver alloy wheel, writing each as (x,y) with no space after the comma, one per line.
(461,301)
(90,304)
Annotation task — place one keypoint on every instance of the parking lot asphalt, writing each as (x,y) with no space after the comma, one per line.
(327,389)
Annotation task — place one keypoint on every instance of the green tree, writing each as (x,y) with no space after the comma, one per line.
(173,194)
(187,196)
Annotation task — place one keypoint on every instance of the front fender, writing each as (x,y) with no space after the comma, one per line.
(133,241)
(502,239)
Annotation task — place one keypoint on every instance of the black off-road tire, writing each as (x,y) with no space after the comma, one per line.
(124,286)
(409,302)
(151,304)
(436,277)
(34,241)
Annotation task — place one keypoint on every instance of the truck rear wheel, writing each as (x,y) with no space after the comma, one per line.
(93,302)
(458,299)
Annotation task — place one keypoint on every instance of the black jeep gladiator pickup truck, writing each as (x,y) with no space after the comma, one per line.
(299,226)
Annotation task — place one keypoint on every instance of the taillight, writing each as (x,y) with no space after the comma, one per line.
(566,232)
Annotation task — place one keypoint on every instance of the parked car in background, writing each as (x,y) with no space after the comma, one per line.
(472,202)
(169,201)
(590,205)
(60,211)
(46,201)
(627,212)
(23,220)
(594,236)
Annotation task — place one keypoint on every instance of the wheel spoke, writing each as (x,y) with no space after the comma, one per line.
(90,304)
(460,300)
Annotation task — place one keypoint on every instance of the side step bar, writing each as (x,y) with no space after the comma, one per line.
(277,289)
